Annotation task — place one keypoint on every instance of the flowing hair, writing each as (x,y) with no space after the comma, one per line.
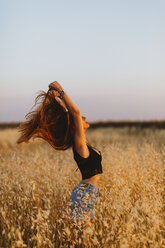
(50,121)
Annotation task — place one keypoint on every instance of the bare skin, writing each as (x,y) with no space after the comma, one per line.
(94,179)
(81,125)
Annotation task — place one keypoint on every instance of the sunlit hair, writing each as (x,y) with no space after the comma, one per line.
(50,121)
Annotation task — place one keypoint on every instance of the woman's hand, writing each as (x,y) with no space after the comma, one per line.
(56,86)
(56,93)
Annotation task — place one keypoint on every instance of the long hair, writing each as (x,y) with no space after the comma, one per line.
(50,121)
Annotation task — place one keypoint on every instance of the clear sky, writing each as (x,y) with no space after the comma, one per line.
(109,56)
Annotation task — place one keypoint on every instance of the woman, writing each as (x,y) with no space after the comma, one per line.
(58,121)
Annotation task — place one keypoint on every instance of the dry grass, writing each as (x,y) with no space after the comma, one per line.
(36,182)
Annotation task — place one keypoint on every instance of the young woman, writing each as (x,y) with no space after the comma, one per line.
(58,121)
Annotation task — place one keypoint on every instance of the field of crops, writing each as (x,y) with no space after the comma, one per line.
(36,182)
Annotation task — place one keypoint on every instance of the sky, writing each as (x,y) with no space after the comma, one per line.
(108,55)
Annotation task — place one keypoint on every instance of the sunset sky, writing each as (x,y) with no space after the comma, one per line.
(109,56)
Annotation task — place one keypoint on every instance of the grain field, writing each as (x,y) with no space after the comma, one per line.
(36,182)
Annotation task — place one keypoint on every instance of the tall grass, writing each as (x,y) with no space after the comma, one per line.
(36,182)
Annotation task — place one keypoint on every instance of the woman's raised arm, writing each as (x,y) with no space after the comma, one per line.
(79,134)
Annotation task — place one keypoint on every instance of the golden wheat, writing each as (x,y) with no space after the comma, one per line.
(36,182)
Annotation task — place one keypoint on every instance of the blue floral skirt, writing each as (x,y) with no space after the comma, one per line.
(83,200)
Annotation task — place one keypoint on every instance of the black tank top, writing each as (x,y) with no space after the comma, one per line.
(91,165)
